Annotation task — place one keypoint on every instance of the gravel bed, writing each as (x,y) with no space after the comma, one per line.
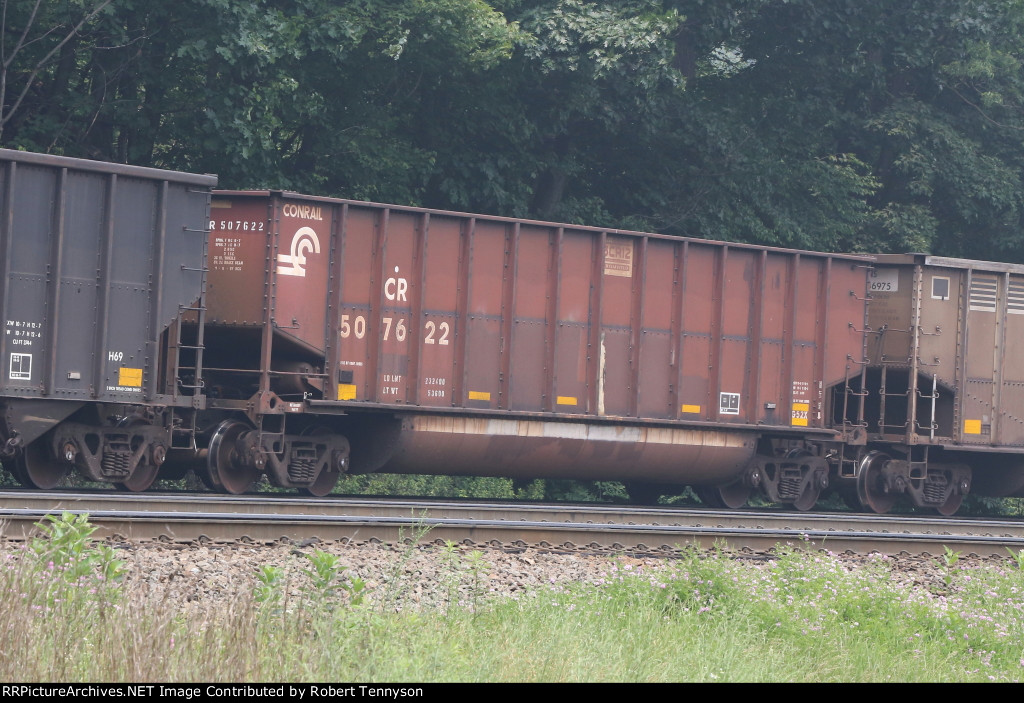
(425,576)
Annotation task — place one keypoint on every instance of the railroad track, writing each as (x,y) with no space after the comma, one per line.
(188,518)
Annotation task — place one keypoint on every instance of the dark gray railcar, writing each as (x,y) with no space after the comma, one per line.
(99,263)
(943,387)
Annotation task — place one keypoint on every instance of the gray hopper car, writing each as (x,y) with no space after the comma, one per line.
(98,263)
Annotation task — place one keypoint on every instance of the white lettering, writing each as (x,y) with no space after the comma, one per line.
(396,289)
(302,212)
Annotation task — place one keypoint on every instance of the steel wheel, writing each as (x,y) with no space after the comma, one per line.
(146,472)
(809,497)
(812,488)
(329,475)
(225,469)
(871,488)
(141,478)
(324,483)
(730,495)
(951,505)
(36,466)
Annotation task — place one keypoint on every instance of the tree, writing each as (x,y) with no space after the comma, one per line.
(37,38)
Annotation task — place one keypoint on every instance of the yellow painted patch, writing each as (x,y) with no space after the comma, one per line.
(800,414)
(479,395)
(692,409)
(972,426)
(565,400)
(129,377)
(346,391)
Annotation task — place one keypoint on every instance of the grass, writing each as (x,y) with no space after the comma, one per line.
(801,616)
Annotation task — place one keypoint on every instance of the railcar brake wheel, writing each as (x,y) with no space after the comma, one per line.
(226,470)
(36,466)
(871,487)
(729,495)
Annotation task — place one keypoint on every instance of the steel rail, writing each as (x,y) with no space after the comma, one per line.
(262,519)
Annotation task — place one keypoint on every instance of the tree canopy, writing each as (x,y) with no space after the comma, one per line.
(822,124)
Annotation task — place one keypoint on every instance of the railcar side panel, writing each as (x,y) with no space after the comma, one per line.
(437,299)
(770,304)
(99,260)
(617,342)
(476,330)
(981,346)
(352,332)
(1011,402)
(444,310)
(529,332)
(240,232)
(953,329)
(697,344)
(654,366)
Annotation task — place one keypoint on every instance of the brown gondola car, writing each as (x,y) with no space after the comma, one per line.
(439,342)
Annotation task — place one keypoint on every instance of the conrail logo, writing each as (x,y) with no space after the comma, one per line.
(303,212)
(305,241)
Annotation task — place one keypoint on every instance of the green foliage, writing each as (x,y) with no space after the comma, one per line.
(1018,558)
(825,124)
(820,124)
(949,560)
(796,616)
(66,549)
(270,582)
(584,491)
(327,578)
(488,488)
(463,576)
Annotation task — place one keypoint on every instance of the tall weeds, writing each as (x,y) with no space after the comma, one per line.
(67,613)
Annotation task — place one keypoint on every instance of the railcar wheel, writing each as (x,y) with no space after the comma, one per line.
(204,475)
(146,472)
(36,467)
(872,485)
(141,478)
(330,474)
(951,505)
(730,495)
(813,488)
(324,483)
(225,469)
(809,497)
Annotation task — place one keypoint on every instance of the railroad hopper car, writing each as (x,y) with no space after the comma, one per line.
(941,398)
(399,339)
(98,263)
